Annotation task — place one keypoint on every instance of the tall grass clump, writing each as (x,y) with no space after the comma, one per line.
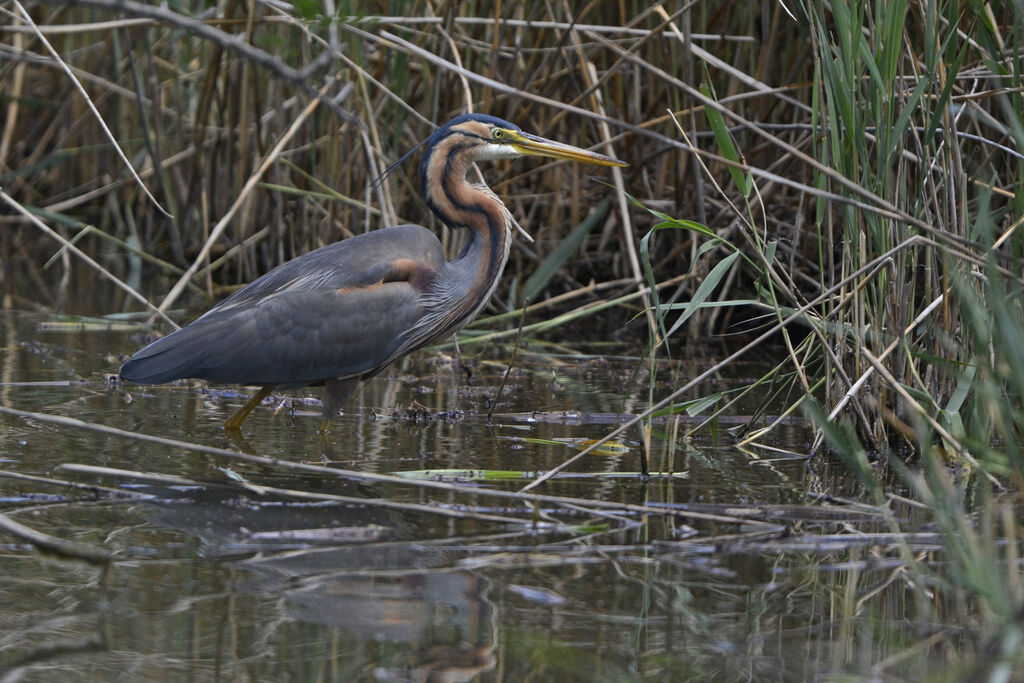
(901,263)
(892,133)
(920,123)
(922,127)
(911,132)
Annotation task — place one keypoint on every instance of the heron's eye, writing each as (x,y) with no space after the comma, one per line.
(497,133)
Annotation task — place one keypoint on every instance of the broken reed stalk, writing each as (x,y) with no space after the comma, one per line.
(53,545)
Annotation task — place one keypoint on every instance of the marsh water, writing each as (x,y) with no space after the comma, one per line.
(217,577)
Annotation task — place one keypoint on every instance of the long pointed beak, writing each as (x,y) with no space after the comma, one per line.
(534,145)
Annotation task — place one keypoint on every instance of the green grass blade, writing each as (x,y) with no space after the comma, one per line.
(725,144)
(706,288)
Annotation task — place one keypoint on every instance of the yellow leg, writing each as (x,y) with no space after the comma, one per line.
(234,423)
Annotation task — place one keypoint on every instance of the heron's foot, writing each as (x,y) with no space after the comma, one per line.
(234,423)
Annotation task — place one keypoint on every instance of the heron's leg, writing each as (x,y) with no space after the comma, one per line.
(234,423)
(336,392)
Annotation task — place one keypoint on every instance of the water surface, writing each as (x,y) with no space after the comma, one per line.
(215,578)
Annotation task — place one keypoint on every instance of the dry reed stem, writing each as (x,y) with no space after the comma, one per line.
(12,106)
(91,489)
(590,72)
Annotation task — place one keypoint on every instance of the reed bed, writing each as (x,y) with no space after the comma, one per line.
(842,179)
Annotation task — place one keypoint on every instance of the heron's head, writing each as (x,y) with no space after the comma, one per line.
(453,148)
(479,137)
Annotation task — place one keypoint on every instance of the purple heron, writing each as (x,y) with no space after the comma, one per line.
(339,315)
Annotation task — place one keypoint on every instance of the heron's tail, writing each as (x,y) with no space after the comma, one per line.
(164,360)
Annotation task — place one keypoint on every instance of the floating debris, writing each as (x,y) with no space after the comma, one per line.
(544,596)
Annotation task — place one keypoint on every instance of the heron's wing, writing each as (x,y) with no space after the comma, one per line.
(307,320)
(358,261)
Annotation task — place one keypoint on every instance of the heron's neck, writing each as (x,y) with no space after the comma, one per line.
(464,205)
(482,260)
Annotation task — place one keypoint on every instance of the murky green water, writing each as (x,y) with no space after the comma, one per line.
(217,581)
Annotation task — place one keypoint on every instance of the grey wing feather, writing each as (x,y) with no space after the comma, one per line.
(331,313)
(354,262)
